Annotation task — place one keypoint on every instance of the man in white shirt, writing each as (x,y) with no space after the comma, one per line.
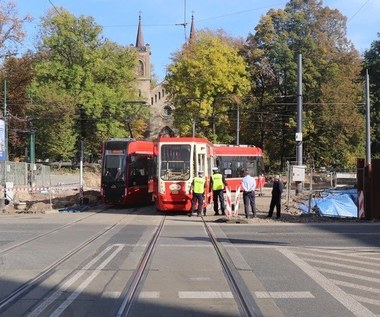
(248,185)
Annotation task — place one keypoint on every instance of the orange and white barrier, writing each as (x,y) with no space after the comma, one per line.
(228,202)
(237,199)
(361,204)
(40,189)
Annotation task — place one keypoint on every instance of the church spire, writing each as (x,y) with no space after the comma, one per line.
(140,36)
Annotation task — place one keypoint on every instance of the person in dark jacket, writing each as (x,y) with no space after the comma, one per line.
(277,190)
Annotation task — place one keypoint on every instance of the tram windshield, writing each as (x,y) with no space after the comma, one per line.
(114,168)
(175,162)
(234,166)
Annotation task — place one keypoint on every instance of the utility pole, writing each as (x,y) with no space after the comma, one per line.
(299,184)
(5,121)
(238,125)
(368,123)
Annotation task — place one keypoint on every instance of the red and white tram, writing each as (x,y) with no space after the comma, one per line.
(178,161)
(232,160)
(127,172)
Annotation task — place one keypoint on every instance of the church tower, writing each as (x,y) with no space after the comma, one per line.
(161,118)
(144,66)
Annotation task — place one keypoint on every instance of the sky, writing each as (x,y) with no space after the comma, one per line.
(163,20)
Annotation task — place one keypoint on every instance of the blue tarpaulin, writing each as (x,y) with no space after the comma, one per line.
(341,204)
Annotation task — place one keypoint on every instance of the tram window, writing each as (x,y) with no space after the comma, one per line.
(138,170)
(114,168)
(234,167)
(175,162)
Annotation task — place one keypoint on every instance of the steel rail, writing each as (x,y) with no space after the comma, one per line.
(130,295)
(241,292)
(4,251)
(27,286)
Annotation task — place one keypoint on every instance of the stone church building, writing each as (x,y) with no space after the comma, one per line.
(161,119)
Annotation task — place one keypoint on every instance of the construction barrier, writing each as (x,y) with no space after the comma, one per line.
(237,199)
(228,203)
(361,212)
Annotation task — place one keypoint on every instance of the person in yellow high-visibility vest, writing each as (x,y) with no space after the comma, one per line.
(198,187)
(217,185)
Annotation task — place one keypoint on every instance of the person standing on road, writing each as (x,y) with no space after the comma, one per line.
(198,187)
(277,190)
(248,185)
(217,185)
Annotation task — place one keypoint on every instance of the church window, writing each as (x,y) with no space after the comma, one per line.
(141,68)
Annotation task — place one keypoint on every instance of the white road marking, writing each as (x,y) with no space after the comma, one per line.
(200,279)
(204,295)
(149,295)
(367,300)
(112,295)
(345,266)
(342,256)
(46,302)
(284,295)
(357,276)
(356,286)
(346,300)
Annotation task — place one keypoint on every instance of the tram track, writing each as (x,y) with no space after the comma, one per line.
(24,288)
(134,285)
(45,234)
(240,291)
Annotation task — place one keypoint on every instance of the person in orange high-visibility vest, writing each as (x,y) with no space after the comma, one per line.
(198,187)
(217,185)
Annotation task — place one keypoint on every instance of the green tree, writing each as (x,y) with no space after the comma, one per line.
(82,84)
(331,84)
(372,63)
(205,80)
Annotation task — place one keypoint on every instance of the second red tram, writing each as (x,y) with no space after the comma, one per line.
(233,160)
(178,161)
(127,172)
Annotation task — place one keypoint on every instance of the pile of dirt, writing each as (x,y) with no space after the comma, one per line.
(55,198)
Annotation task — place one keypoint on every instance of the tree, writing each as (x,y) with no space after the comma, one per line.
(331,84)
(19,75)
(82,84)
(205,80)
(11,28)
(372,63)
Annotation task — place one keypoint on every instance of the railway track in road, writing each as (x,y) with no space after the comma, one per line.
(23,289)
(61,296)
(239,290)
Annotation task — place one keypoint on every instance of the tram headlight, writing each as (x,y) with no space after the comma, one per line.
(162,188)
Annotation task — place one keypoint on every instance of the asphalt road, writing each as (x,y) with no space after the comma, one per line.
(83,265)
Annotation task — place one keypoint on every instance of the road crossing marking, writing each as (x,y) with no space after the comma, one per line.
(346,257)
(345,266)
(346,300)
(284,295)
(356,286)
(357,276)
(204,295)
(151,294)
(48,301)
(366,300)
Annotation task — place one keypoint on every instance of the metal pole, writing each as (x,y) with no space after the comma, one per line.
(368,123)
(299,184)
(5,121)
(81,174)
(238,125)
